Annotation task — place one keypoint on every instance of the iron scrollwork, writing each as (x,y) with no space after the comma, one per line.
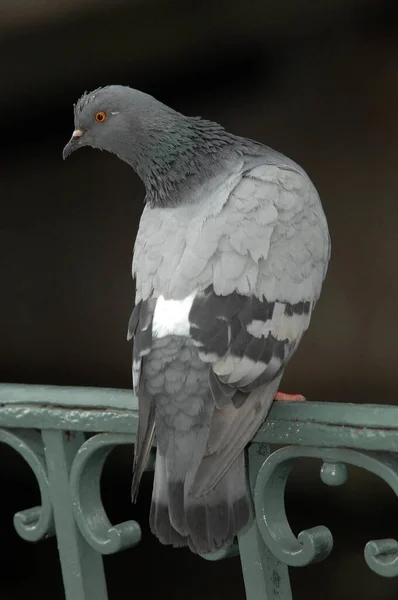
(88,509)
(36,523)
(316,543)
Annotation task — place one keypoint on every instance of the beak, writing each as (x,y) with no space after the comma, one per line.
(73,143)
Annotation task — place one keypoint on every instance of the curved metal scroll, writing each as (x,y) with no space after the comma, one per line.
(316,543)
(34,523)
(86,497)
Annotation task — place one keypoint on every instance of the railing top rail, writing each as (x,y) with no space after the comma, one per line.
(327,424)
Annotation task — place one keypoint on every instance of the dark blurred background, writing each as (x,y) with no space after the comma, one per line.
(317,81)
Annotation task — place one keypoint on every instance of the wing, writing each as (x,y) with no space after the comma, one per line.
(267,277)
(140,328)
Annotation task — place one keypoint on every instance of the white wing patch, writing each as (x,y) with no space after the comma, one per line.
(171,316)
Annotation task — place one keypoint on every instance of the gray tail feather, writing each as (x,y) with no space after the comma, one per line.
(159,518)
(205,523)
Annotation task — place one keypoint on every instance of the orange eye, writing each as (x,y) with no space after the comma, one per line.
(100,116)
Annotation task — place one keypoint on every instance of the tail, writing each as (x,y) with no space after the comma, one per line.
(205,523)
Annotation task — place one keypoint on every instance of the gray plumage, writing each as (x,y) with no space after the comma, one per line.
(229,260)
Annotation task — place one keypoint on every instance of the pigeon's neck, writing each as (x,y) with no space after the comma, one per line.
(176,159)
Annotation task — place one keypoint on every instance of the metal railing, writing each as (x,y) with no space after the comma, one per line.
(47,425)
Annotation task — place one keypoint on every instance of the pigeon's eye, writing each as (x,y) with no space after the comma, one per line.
(100,116)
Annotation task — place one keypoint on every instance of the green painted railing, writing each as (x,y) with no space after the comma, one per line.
(47,426)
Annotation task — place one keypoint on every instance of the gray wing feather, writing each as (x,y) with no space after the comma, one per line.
(144,441)
(140,329)
(277,253)
(231,430)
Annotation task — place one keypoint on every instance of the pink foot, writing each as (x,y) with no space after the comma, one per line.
(281,397)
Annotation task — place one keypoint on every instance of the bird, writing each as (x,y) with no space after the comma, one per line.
(229,260)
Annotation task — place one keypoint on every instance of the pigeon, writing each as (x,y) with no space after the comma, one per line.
(229,260)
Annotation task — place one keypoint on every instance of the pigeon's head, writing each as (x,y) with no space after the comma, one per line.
(116,118)
(170,152)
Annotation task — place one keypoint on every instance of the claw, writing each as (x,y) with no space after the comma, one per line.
(281,397)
